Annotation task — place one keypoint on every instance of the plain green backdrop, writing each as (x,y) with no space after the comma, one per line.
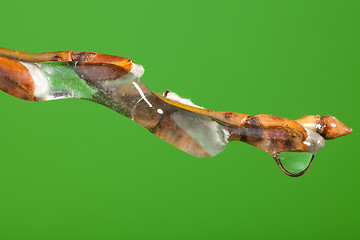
(72,169)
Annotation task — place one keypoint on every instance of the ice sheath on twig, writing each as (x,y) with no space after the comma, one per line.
(115,83)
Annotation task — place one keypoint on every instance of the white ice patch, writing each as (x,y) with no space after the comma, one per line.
(42,86)
(141,93)
(314,141)
(176,98)
(138,70)
(226,134)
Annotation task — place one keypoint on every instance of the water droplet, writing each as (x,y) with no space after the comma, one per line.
(295,163)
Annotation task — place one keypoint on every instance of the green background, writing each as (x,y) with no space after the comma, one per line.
(72,169)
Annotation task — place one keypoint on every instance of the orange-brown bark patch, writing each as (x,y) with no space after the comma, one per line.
(15,79)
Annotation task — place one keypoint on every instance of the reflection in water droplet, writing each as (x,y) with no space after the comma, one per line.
(295,162)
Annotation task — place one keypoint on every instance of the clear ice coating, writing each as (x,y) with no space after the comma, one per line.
(210,135)
(114,82)
(64,82)
(193,133)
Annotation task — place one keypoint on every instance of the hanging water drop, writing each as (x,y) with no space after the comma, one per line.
(295,163)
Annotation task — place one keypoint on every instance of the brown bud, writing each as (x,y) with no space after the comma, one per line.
(333,128)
